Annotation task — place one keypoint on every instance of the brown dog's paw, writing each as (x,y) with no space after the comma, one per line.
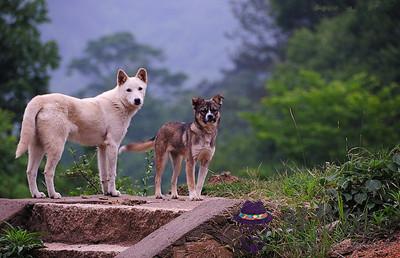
(159,196)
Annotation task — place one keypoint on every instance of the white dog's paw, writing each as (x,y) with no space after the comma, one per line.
(55,195)
(174,196)
(194,197)
(39,195)
(115,193)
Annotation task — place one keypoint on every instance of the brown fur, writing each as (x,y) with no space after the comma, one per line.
(194,142)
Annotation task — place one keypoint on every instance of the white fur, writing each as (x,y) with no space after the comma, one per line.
(52,119)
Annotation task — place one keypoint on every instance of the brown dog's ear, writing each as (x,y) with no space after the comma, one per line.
(196,101)
(122,77)
(142,75)
(218,99)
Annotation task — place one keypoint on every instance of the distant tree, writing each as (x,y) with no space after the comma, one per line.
(13,178)
(25,60)
(362,39)
(103,56)
(310,120)
(290,15)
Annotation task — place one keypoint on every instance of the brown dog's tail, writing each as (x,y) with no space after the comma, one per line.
(28,127)
(138,146)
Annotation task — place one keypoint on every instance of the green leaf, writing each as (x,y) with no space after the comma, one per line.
(396,158)
(373,185)
(347,197)
(360,198)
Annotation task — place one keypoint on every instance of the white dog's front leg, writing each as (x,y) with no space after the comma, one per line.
(102,166)
(112,154)
(201,178)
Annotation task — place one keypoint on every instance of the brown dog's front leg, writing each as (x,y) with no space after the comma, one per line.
(190,177)
(201,178)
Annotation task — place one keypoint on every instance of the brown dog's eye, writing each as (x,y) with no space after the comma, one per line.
(140,88)
(128,90)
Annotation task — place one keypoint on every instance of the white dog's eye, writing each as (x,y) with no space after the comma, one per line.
(128,90)
(140,88)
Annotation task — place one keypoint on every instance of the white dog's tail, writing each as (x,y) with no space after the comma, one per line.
(28,127)
(138,146)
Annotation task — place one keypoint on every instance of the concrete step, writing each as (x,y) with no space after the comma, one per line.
(97,223)
(62,250)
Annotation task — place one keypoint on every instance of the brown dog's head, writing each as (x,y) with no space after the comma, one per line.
(207,112)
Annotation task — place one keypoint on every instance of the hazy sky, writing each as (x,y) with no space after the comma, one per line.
(191,33)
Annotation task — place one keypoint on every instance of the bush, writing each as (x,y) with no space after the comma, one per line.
(368,183)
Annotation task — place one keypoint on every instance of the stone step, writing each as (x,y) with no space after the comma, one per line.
(97,223)
(62,250)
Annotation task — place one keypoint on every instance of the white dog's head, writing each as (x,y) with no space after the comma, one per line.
(132,89)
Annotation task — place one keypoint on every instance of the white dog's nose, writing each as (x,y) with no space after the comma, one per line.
(137,101)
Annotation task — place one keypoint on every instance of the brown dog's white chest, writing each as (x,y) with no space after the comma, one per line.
(202,146)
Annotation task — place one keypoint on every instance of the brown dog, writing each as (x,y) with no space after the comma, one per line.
(194,142)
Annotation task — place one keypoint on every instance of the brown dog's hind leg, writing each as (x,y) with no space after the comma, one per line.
(161,160)
(176,160)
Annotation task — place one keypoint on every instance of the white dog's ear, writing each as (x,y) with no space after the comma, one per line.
(122,77)
(142,75)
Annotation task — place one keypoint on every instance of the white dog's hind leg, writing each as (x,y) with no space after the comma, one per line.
(112,154)
(36,153)
(102,166)
(53,157)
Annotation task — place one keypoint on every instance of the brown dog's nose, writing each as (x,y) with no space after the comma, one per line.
(137,101)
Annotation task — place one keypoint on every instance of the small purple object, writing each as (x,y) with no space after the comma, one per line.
(253,213)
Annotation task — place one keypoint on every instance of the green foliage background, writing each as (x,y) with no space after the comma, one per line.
(310,80)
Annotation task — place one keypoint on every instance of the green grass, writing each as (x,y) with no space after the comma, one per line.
(309,200)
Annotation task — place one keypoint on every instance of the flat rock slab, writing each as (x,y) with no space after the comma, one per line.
(62,250)
(168,234)
(96,223)
(148,225)
(10,207)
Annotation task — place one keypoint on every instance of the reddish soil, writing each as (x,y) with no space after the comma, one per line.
(382,248)
(388,248)
(224,177)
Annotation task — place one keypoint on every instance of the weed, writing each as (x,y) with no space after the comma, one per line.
(17,242)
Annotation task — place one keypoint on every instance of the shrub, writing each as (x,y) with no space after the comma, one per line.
(366,181)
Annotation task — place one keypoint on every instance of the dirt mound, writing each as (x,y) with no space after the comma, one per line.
(224,177)
(382,248)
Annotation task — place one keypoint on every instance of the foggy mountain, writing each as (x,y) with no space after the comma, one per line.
(192,34)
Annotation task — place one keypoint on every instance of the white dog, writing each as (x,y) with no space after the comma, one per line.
(52,119)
